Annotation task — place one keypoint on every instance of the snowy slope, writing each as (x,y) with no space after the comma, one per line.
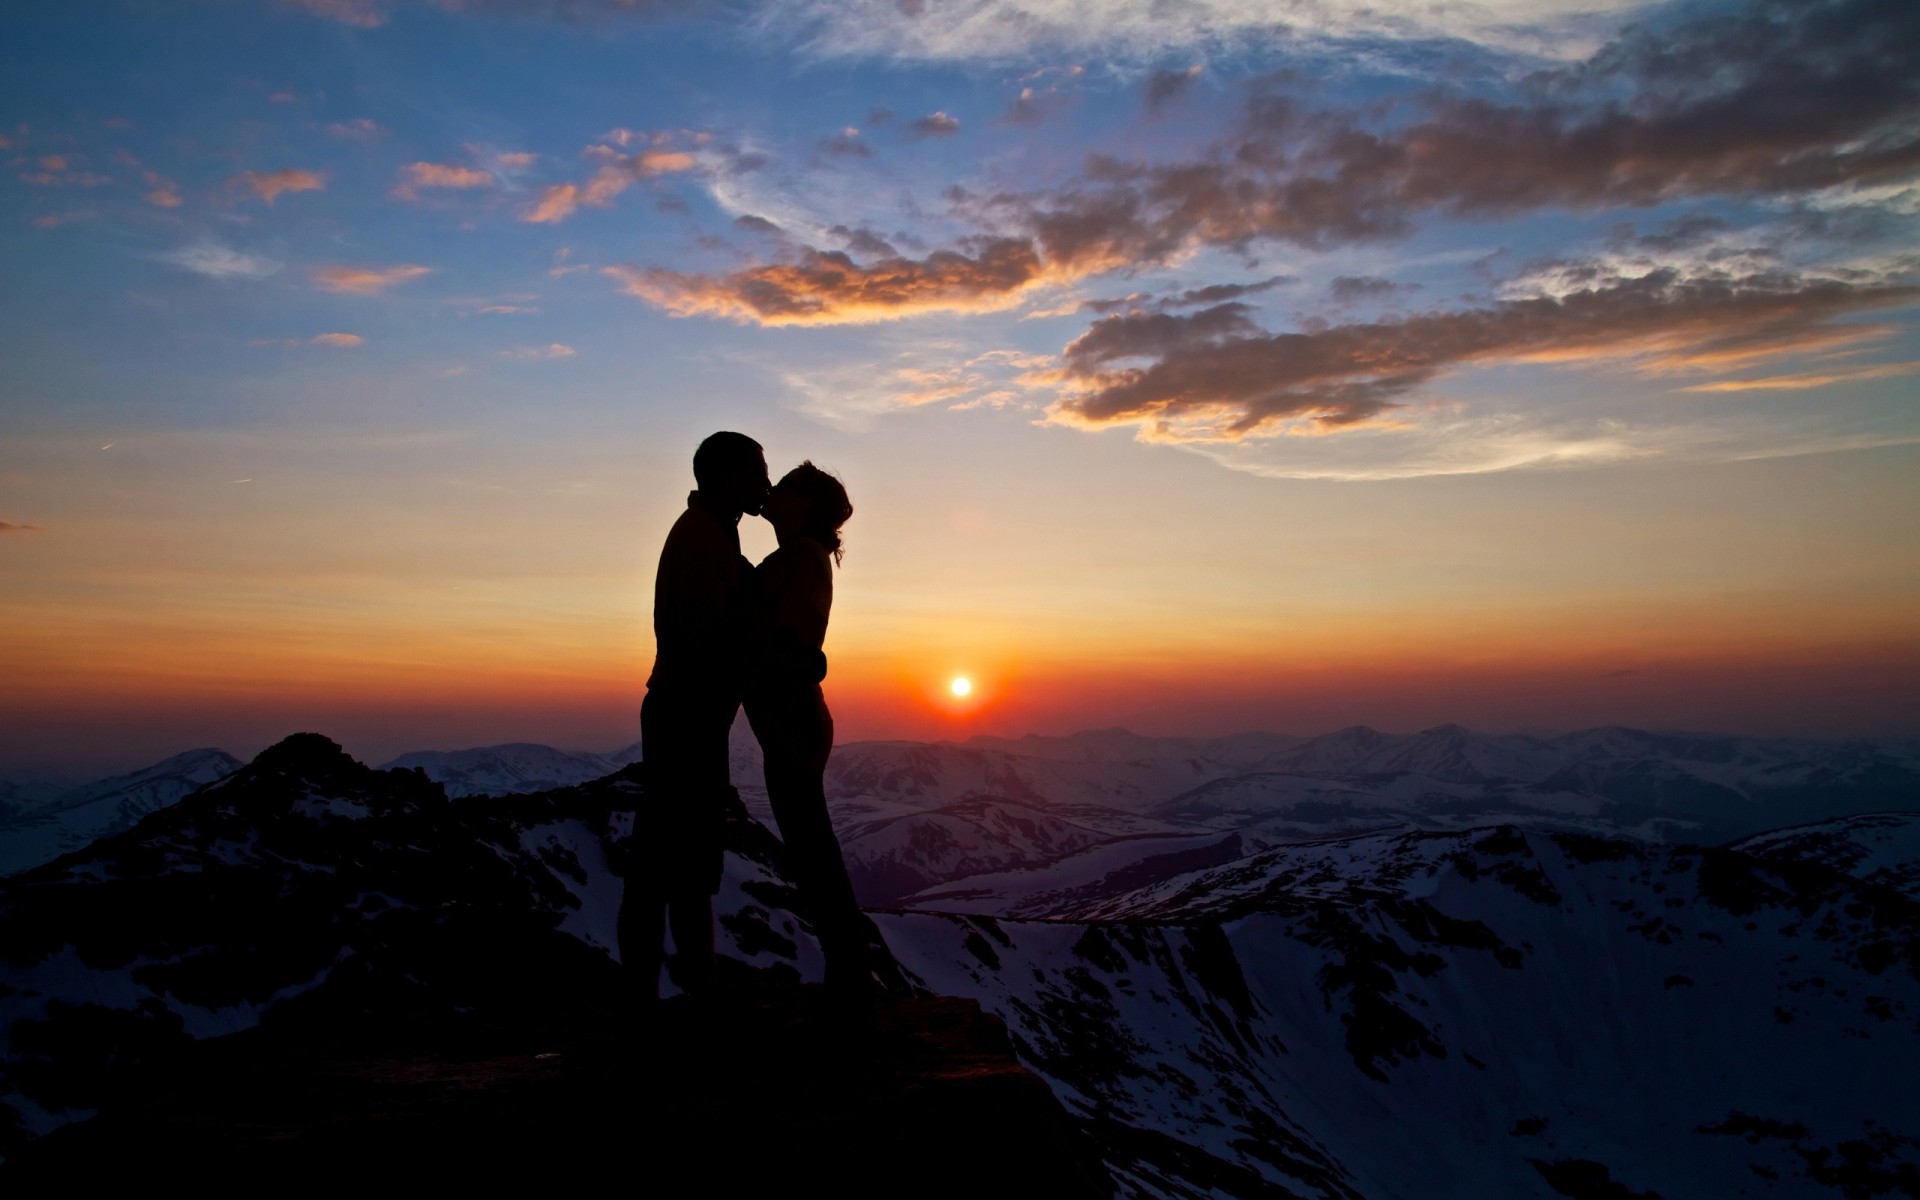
(1499,1013)
(74,818)
(21,796)
(893,856)
(505,770)
(306,871)
(1401,1015)
(1067,885)
(1878,848)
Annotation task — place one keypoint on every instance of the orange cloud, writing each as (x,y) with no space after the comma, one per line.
(165,193)
(1216,376)
(365,281)
(1811,379)
(415,176)
(269,185)
(63,170)
(617,173)
(341,340)
(10,527)
(827,288)
(555,204)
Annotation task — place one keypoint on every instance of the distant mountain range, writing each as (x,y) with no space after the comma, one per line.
(38,823)
(1507,1010)
(948,824)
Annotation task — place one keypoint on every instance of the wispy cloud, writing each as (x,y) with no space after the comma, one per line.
(547,353)
(63,170)
(360,129)
(1216,376)
(11,527)
(420,176)
(336,340)
(853,396)
(1443,441)
(829,287)
(617,172)
(373,14)
(1764,102)
(221,262)
(556,204)
(1809,379)
(70,217)
(563,264)
(935,124)
(361,14)
(270,185)
(1757,103)
(1021,31)
(366,281)
(163,193)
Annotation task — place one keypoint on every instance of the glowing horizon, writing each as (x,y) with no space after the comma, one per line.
(1494,378)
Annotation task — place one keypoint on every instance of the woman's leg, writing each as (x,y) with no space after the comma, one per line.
(641,926)
(796,761)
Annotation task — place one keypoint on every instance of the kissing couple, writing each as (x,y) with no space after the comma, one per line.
(729,634)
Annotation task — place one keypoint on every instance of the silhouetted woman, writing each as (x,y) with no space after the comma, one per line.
(789,715)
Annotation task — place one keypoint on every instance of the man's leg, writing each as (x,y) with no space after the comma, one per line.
(641,926)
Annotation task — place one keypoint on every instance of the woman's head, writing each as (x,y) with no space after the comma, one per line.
(809,501)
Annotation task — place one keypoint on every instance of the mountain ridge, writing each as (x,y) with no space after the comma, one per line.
(1498,996)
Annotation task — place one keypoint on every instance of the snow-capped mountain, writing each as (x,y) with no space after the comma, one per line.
(1662,787)
(21,796)
(1876,848)
(512,768)
(893,856)
(1502,1011)
(1497,1013)
(963,823)
(70,819)
(304,873)
(907,811)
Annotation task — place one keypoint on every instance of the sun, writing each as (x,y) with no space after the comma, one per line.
(960,686)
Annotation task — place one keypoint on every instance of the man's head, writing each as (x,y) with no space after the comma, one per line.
(731,470)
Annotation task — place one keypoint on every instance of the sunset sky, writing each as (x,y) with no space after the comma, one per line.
(1194,367)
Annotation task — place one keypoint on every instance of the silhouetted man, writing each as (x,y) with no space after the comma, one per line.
(692,696)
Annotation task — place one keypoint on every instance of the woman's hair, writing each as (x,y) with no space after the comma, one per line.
(827,505)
